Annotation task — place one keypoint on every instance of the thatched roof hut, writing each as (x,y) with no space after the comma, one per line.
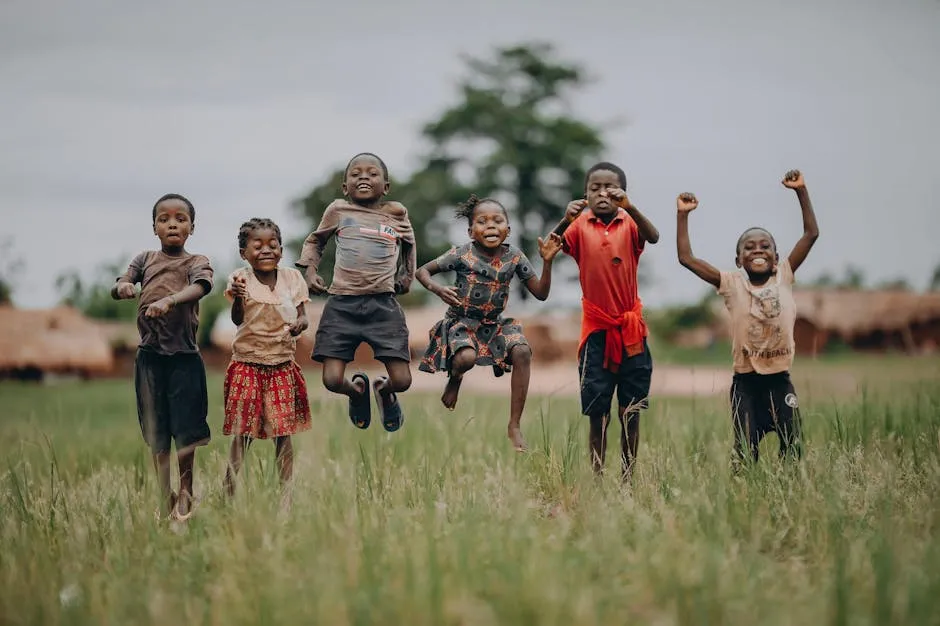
(59,340)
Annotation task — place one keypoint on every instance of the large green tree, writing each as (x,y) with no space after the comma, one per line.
(512,127)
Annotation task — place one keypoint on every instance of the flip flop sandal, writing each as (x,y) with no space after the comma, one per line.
(360,410)
(179,517)
(159,515)
(389,408)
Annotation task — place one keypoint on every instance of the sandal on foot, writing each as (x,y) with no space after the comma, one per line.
(389,408)
(180,517)
(360,410)
(158,514)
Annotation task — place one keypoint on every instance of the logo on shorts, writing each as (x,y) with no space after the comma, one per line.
(790,399)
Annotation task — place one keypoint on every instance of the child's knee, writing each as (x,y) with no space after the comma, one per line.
(463,360)
(399,380)
(333,381)
(521,356)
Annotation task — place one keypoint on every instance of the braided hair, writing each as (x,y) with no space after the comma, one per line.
(175,196)
(465,209)
(256,223)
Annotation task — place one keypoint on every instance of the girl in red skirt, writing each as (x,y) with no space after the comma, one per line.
(265,392)
(474,331)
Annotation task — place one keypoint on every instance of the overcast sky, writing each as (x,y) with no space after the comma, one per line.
(244,105)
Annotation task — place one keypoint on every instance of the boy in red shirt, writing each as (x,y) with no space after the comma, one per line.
(605,234)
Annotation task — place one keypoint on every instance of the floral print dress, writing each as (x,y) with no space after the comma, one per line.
(482,285)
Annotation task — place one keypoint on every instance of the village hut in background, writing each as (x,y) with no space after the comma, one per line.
(38,342)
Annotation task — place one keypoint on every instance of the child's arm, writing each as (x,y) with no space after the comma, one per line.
(794,180)
(406,275)
(447,294)
(548,248)
(123,288)
(301,323)
(571,213)
(311,253)
(647,231)
(188,294)
(238,292)
(685,204)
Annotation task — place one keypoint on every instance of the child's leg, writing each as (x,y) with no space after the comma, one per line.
(284,453)
(598,441)
(521,359)
(387,389)
(161,464)
(186,458)
(629,440)
(240,444)
(461,363)
(747,435)
(334,379)
(784,406)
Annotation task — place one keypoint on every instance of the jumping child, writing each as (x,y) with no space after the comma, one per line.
(169,374)
(375,259)
(606,234)
(265,392)
(474,331)
(763,314)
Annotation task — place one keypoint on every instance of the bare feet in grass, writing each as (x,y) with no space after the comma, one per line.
(451,390)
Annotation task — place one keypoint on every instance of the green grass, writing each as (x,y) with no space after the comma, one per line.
(443,524)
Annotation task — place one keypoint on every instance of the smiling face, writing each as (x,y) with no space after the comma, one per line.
(599,183)
(757,253)
(489,225)
(172,223)
(262,250)
(366,181)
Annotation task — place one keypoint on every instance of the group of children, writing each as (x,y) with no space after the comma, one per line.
(265,395)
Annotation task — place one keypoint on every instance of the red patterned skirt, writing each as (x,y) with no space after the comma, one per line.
(265,401)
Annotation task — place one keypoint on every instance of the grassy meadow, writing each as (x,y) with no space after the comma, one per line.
(443,524)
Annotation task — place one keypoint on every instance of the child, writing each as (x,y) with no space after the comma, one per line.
(375,259)
(169,374)
(474,331)
(763,313)
(606,241)
(265,393)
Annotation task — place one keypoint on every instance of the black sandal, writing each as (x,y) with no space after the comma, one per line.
(389,408)
(360,410)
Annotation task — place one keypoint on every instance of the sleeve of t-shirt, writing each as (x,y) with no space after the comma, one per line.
(312,250)
(200,271)
(726,286)
(785,272)
(524,269)
(298,287)
(571,240)
(135,270)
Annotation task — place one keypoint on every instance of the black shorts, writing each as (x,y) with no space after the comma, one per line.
(172,402)
(348,321)
(632,381)
(762,404)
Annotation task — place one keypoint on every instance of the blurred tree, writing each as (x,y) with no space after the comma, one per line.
(511,127)
(93,297)
(10,266)
(935,279)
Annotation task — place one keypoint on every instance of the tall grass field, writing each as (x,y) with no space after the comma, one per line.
(442,523)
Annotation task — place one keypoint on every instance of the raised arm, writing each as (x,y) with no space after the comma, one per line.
(542,285)
(794,180)
(647,231)
(685,204)
(571,213)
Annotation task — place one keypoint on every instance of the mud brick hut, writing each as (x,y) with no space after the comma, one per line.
(35,343)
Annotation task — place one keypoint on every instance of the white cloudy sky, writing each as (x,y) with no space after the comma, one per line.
(243,105)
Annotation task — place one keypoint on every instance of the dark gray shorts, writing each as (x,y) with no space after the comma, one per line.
(347,321)
(172,401)
(632,381)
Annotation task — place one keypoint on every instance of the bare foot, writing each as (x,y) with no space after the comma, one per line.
(515,436)
(449,398)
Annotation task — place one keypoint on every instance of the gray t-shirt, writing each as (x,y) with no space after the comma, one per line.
(161,275)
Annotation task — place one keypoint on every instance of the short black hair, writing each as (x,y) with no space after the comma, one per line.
(465,209)
(737,248)
(175,196)
(367,154)
(256,223)
(610,167)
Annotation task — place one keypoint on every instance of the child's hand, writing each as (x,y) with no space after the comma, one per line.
(686,202)
(550,247)
(794,180)
(315,283)
(447,294)
(126,291)
(299,326)
(239,287)
(574,209)
(161,307)
(619,196)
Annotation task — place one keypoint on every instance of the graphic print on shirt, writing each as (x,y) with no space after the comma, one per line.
(764,334)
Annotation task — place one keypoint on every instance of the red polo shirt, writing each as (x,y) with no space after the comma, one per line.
(607,256)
